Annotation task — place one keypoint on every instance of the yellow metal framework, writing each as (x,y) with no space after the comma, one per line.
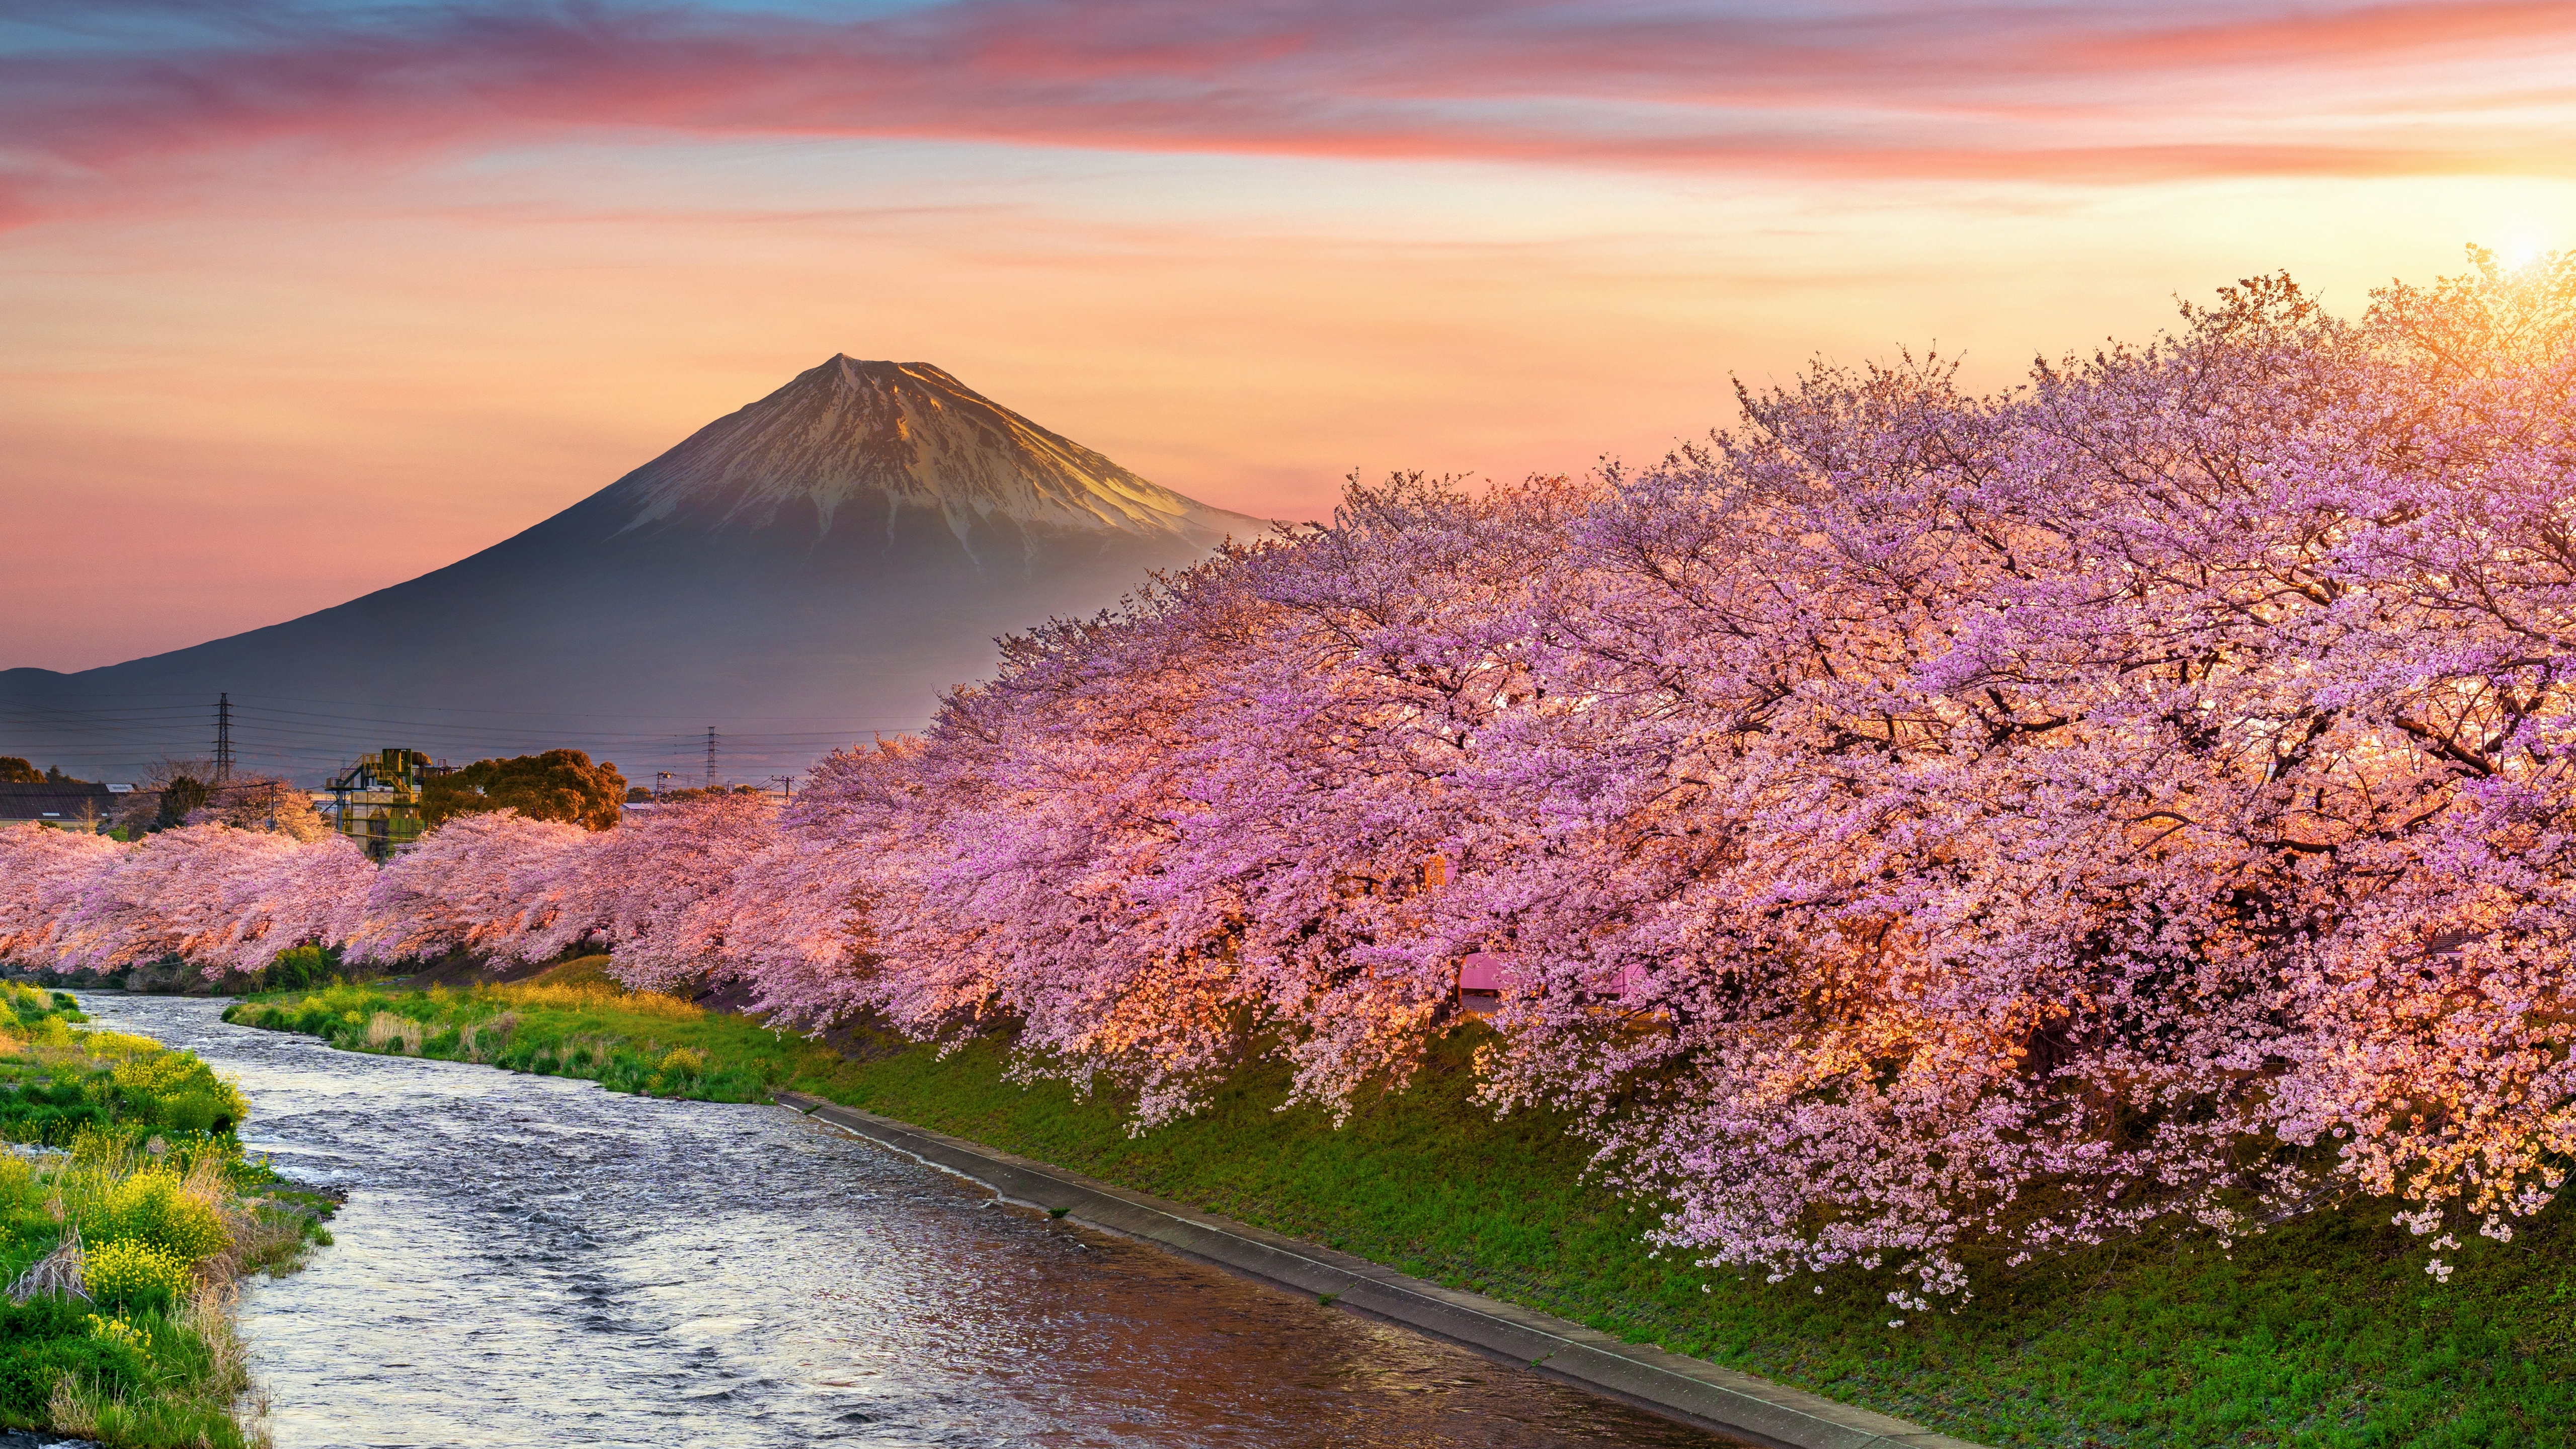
(376,802)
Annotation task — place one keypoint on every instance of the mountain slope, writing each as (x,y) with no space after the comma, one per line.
(820,563)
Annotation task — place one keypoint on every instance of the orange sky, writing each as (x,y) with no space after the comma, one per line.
(296,302)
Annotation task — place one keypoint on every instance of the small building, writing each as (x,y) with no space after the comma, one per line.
(376,802)
(69,804)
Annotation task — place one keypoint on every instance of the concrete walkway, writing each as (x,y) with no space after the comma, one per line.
(1737,1404)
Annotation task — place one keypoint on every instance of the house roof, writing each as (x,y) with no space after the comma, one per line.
(58,801)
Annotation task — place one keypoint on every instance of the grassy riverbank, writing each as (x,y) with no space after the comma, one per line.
(122,1244)
(2325,1334)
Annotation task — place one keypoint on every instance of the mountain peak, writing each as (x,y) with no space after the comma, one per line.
(854,443)
(843,370)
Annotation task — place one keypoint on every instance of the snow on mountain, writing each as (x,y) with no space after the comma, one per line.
(853,444)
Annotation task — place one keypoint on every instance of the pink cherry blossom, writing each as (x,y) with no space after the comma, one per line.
(219,898)
(42,874)
(493,883)
(1915,824)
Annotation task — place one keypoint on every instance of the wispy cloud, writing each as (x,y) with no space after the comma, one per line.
(98,100)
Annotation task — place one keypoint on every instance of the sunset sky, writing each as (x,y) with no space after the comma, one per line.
(301,299)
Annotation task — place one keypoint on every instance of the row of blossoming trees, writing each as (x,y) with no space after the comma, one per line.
(1918,825)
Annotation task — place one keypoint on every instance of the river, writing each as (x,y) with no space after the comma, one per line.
(531,1261)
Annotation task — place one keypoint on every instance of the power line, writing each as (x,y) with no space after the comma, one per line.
(102,712)
(323,729)
(413,710)
(268,707)
(638,727)
(275,737)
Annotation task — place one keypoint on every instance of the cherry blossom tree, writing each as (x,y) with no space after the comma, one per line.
(665,893)
(217,897)
(42,873)
(491,882)
(1915,822)
(1915,827)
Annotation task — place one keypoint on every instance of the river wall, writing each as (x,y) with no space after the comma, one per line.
(1732,1403)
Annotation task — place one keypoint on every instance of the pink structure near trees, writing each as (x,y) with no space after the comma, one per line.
(1916,824)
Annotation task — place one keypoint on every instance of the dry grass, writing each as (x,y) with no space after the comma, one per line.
(72,1411)
(594,995)
(469,1038)
(210,1315)
(257,1237)
(58,1271)
(385,1027)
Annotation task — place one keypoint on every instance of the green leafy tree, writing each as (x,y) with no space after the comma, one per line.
(557,785)
(182,794)
(15,771)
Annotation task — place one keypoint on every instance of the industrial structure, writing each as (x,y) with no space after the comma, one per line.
(376,802)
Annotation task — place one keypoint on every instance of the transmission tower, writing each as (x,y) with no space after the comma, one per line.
(224,736)
(711,757)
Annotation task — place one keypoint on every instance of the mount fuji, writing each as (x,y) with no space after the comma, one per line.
(833,555)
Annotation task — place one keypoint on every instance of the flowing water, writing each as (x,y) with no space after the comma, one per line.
(531,1261)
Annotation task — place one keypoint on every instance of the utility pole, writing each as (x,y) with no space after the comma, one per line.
(658,777)
(711,757)
(223,737)
(786,786)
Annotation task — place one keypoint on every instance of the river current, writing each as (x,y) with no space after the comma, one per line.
(532,1261)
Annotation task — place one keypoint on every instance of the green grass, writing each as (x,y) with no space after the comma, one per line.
(154,1169)
(2324,1333)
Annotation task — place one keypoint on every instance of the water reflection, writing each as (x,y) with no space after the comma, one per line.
(533,1261)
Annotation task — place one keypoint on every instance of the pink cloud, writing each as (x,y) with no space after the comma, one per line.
(2077,93)
(2322,36)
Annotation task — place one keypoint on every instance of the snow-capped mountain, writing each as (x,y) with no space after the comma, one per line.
(852,445)
(823,562)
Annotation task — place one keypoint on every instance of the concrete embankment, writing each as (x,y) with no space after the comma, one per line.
(1682,1388)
